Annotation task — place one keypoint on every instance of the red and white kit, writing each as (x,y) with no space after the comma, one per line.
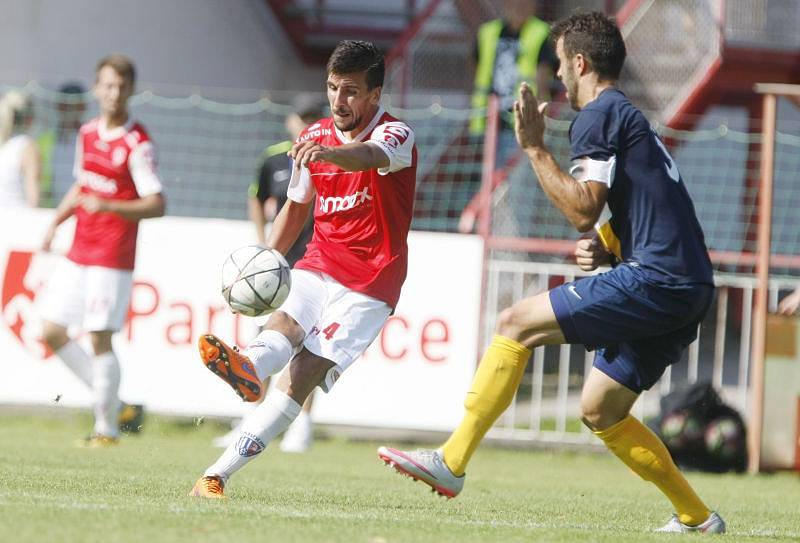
(92,287)
(349,280)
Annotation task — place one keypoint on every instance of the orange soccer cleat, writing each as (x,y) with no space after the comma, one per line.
(231,366)
(97,441)
(208,487)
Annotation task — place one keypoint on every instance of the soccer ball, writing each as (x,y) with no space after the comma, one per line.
(679,429)
(723,438)
(255,280)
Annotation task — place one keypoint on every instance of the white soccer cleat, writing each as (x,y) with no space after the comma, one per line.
(424,465)
(713,525)
(299,436)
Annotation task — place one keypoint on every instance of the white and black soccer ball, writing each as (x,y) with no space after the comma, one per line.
(255,280)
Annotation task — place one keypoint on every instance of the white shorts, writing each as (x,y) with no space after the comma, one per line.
(340,324)
(93,298)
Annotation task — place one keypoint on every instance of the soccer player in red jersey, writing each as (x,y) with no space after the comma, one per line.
(116,185)
(357,171)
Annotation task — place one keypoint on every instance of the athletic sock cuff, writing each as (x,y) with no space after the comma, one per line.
(615,430)
(105,358)
(283,403)
(269,352)
(511,345)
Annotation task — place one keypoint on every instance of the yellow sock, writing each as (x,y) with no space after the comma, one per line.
(642,451)
(493,388)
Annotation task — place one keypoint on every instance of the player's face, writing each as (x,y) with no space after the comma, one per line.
(112,92)
(352,104)
(566,73)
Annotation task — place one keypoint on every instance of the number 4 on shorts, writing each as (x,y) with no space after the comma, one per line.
(329,330)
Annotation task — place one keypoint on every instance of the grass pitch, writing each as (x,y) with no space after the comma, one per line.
(340,492)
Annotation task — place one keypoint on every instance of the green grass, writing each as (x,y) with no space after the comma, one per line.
(340,492)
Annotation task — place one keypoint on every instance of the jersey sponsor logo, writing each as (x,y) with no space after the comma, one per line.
(394,135)
(574,292)
(119,156)
(100,145)
(97,182)
(249,445)
(314,133)
(334,204)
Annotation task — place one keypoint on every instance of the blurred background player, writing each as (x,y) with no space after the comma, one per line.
(266,196)
(116,185)
(640,316)
(357,171)
(508,51)
(19,153)
(57,143)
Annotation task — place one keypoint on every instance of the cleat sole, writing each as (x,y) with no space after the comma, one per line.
(391,463)
(220,365)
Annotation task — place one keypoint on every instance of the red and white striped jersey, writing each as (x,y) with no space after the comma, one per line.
(117,164)
(361,219)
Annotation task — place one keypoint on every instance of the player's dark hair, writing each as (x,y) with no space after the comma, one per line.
(355,56)
(596,37)
(120,64)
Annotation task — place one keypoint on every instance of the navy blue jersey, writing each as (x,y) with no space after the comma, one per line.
(652,216)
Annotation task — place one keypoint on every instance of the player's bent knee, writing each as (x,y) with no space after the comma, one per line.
(54,336)
(305,372)
(509,325)
(597,418)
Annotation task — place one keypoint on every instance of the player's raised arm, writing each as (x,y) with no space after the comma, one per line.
(352,157)
(288,225)
(581,202)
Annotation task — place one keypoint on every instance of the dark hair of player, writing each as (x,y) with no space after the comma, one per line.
(355,56)
(596,37)
(120,64)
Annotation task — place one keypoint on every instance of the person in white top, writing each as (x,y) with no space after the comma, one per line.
(19,154)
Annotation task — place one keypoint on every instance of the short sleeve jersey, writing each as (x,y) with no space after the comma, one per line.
(652,215)
(117,164)
(361,219)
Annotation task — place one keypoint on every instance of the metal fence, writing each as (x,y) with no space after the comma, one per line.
(547,405)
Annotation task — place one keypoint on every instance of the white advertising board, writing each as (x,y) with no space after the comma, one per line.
(414,376)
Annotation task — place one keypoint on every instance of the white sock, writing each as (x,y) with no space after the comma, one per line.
(77,360)
(105,385)
(266,422)
(269,352)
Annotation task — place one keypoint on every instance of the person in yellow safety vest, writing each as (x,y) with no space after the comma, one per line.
(508,51)
(57,143)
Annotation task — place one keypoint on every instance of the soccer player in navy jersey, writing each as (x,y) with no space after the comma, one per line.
(639,316)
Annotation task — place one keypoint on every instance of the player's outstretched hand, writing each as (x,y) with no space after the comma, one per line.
(590,253)
(529,119)
(790,303)
(306,152)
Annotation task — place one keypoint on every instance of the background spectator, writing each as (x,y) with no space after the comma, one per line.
(19,154)
(57,143)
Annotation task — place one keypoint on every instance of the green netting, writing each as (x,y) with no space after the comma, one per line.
(209,151)
(714,164)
